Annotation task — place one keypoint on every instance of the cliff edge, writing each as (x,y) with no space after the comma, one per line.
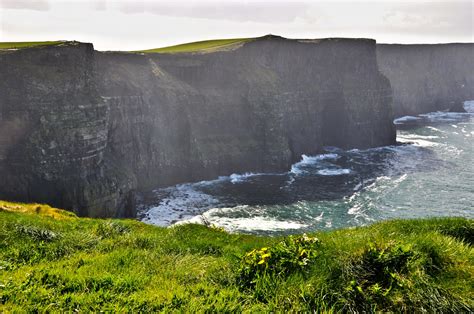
(83,129)
(428,78)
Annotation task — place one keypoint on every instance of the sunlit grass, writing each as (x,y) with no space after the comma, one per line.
(200,46)
(35,209)
(17,45)
(51,261)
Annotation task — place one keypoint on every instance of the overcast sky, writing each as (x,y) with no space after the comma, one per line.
(134,25)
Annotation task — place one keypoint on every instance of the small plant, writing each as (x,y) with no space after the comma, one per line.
(37,234)
(379,271)
(206,222)
(110,229)
(294,254)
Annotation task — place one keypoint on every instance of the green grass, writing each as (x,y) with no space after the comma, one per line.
(199,46)
(51,260)
(16,45)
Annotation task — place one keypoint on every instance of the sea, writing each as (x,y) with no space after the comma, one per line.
(430,173)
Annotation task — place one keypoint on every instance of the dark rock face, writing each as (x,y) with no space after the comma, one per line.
(428,78)
(83,129)
(54,132)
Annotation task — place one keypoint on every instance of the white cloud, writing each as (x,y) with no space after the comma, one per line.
(134,25)
(37,5)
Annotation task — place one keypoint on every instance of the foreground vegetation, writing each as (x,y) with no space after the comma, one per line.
(51,260)
(199,46)
(17,45)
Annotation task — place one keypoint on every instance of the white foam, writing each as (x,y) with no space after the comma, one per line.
(401,179)
(289,182)
(354,210)
(311,160)
(320,217)
(333,172)
(440,116)
(469,106)
(444,116)
(236,178)
(307,160)
(241,177)
(183,202)
(357,187)
(435,129)
(256,224)
(417,141)
(403,119)
(221,217)
(296,170)
(428,137)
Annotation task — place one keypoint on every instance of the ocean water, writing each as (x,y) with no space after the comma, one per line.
(430,174)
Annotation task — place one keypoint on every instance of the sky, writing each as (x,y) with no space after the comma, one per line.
(145,24)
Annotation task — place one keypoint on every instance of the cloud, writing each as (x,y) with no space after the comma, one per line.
(99,5)
(278,12)
(141,24)
(434,18)
(36,5)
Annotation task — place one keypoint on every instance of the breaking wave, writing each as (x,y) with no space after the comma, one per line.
(429,174)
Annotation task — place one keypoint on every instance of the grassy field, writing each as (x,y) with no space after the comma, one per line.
(206,45)
(15,45)
(51,260)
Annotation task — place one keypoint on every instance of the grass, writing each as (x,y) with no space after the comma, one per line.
(199,46)
(17,45)
(51,260)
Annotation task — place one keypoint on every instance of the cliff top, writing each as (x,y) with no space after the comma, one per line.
(31,44)
(205,46)
(201,46)
(208,46)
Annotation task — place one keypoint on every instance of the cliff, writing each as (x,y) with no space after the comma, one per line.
(428,78)
(54,132)
(82,129)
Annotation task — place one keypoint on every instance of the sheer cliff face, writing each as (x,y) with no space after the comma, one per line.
(188,117)
(88,128)
(54,132)
(428,78)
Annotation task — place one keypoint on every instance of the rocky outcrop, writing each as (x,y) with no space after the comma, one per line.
(428,78)
(82,130)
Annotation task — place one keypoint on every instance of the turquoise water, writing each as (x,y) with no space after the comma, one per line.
(430,174)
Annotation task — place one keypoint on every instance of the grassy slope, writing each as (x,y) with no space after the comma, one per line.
(52,260)
(206,45)
(15,45)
